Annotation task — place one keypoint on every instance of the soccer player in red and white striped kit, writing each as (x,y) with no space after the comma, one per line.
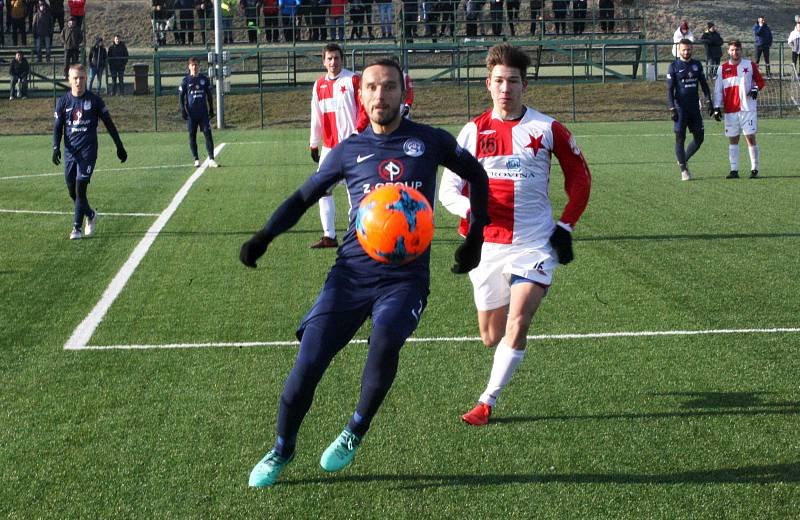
(736,89)
(336,114)
(522,244)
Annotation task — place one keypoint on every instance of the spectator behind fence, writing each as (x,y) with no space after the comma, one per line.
(98,59)
(73,38)
(606,15)
(713,42)
(368,17)
(159,9)
(448,8)
(496,16)
(763,36)
(410,18)
(205,16)
(30,9)
(794,44)
(356,19)
(560,8)
(337,19)
(227,20)
(579,8)
(251,16)
(681,33)
(473,8)
(2,24)
(19,71)
(289,19)
(271,26)
(316,16)
(77,10)
(18,11)
(117,61)
(57,10)
(536,15)
(42,30)
(184,16)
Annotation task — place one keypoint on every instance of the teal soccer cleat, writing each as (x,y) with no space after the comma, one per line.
(268,469)
(341,451)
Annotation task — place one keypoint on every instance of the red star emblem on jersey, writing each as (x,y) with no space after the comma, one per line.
(344,89)
(745,70)
(536,143)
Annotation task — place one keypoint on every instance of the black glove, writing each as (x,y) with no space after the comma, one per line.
(184,115)
(561,240)
(254,248)
(315,155)
(122,155)
(673,114)
(717,114)
(56,156)
(753,93)
(711,110)
(468,254)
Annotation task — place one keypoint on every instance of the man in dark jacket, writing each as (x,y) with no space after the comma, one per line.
(98,58)
(19,71)
(57,10)
(712,39)
(763,35)
(117,61)
(73,38)
(42,30)
(184,9)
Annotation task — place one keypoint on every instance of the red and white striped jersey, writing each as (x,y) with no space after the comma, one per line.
(335,107)
(516,156)
(733,83)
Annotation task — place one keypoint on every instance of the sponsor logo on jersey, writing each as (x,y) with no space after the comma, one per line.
(414,147)
(513,164)
(362,158)
(391,170)
(417,185)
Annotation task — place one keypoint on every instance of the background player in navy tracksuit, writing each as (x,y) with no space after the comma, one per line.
(196,101)
(391,150)
(76,116)
(683,77)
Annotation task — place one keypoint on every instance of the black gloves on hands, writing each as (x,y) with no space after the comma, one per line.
(561,240)
(468,254)
(717,114)
(753,93)
(254,248)
(122,155)
(56,156)
(315,155)
(673,113)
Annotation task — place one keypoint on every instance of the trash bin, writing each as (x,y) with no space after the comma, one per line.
(140,72)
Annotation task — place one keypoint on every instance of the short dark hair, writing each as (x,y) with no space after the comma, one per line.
(685,41)
(332,47)
(192,59)
(735,43)
(510,56)
(387,62)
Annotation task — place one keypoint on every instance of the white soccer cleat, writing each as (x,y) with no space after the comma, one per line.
(212,163)
(685,175)
(75,234)
(91,223)
(196,162)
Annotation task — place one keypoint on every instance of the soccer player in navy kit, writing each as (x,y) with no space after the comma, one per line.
(76,116)
(683,77)
(196,101)
(391,150)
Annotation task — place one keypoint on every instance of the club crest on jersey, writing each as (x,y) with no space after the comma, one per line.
(535,144)
(391,170)
(414,147)
(87,105)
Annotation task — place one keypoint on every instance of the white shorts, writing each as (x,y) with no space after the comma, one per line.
(741,123)
(491,280)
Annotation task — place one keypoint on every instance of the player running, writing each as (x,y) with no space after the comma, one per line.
(736,90)
(335,109)
(523,246)
(683,76)
(76,116)
(197,107)
(391,150)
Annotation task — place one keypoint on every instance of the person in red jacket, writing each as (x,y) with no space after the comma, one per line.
(77,10)
(271,20)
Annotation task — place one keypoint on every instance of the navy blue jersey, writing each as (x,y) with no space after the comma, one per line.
(77,118)
(683,78)
(410,155)
(195,95)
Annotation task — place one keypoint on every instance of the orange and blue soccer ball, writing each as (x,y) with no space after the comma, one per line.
(394,224)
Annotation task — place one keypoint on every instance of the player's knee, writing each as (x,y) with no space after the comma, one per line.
(491,337)
(680,137)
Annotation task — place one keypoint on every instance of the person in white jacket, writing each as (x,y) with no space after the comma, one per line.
(794,44)
(682,32)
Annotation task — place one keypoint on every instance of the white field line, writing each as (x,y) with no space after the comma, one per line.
(32,212)
(83,333)
(455,339)
(131,168)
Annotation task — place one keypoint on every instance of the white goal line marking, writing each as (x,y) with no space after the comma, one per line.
(84,331)
(130,168)
(456,339)
(36,212)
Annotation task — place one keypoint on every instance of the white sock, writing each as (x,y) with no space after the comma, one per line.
(505,364)
(733,156)
(327,214)
(755,153)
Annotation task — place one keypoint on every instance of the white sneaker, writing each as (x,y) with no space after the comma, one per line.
(212,163)
(91,223)
(196,162)
(685,175)
(75,234)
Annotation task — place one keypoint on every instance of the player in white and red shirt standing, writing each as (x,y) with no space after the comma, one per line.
(522,244)
(335,108)
(735,91)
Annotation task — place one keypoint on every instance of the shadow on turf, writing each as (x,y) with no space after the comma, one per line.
(767,474)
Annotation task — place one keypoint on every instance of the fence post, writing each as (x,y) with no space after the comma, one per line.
(572,66)
(260,87)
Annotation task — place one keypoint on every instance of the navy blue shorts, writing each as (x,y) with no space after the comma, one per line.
(691,119)
(78,168)
(198,121)
(351,299)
